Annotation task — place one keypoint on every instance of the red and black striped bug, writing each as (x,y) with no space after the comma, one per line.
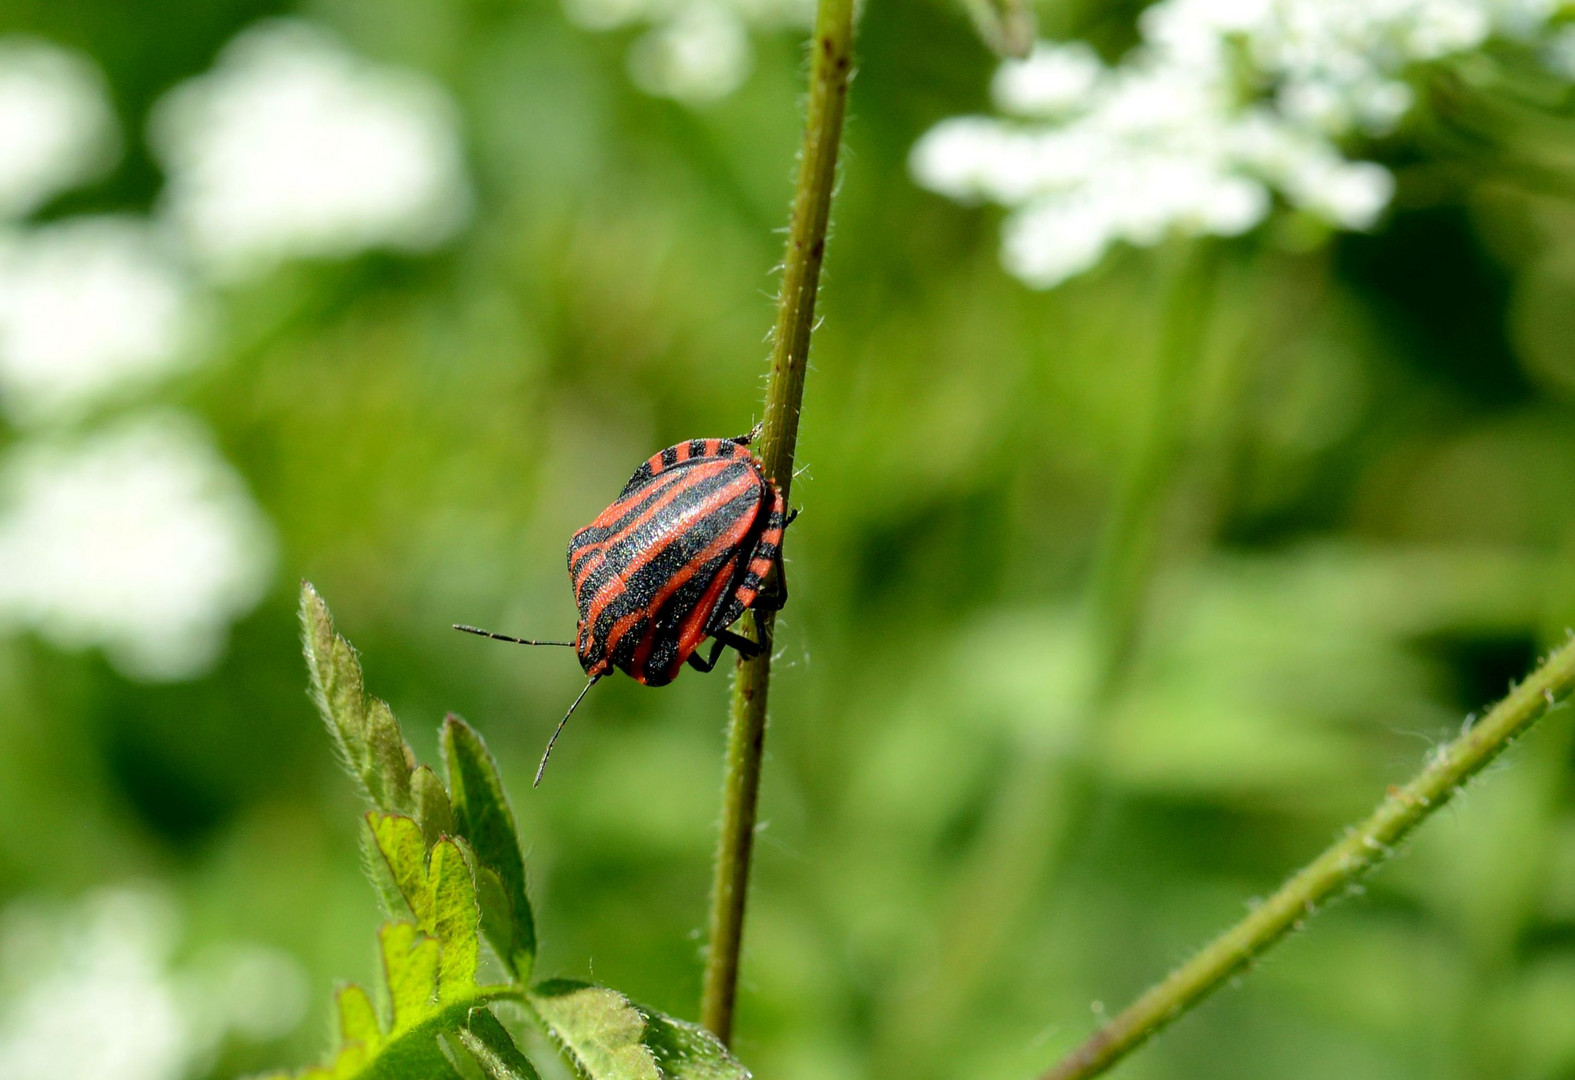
(684,551)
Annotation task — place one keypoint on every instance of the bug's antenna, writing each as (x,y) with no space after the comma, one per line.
(504,637)
(559,729)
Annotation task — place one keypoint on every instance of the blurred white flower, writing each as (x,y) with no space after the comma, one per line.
(294,147)
(88,992)
(57,128)
(88,307)
(701,54)
(89,999)
(1223,103)
(1056,81)
(139,538)
(694,50)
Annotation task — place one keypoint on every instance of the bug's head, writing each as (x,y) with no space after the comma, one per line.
(593,658)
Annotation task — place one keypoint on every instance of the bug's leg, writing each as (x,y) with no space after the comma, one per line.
(773,591)
(746,648)
(709,662)
(773,594)
(751,435)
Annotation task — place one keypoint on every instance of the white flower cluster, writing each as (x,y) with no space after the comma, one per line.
(89,991)
(1222,105)
(89,307)
(692,50)
(137,536)
(56,124)
(293,147)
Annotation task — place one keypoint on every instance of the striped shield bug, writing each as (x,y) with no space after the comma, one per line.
(688,546)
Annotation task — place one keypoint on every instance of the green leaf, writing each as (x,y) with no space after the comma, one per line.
(688,1051)
(605,1036)
(597,1029)
(440,892)
(404,854)
(432,806)
(482,816)
(497,913)
(452,860)
(455,918)
(429,970)
(410,968)
(364,732)
(388,760)
(358,1018)
(494,1050)
(376,867)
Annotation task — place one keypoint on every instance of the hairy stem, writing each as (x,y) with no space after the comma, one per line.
(831,63)
(1363,848)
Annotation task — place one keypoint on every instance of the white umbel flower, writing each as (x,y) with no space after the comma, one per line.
(1224,104)
(294,147)
(57,128)
(139,538)
(88,307)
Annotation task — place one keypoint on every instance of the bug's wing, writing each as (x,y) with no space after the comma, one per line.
(681,626)
(661,560)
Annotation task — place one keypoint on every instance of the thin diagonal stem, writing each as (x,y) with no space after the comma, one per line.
(831,63)
(1363,848)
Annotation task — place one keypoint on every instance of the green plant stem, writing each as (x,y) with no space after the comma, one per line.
(831,63)
(1363,848)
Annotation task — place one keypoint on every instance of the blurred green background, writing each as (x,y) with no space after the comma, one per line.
(1111,604)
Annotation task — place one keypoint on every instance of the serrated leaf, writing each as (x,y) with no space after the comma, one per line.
(413,856)
(382,878)
(607,1037)
(336,680)
(454,919)
(404,854)
(413,968)
(483,817)
(432,808)
(686,1051)
(410,970)
(494,1050)
(439,892)
(453,859)
(365,733)
(358,1018)
(597,1029)
(497,917)
(389,760)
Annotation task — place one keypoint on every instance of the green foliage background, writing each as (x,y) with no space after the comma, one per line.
(1364,528)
